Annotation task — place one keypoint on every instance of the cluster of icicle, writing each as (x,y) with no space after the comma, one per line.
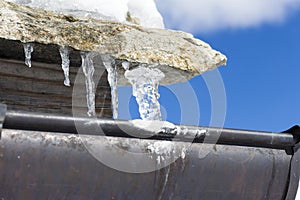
(64,53)
(144,81)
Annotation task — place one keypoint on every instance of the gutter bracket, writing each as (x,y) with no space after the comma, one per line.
(3,109)
(295,131)
(294,174)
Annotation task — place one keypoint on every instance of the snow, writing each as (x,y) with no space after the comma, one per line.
(146,12)
(163,150)
(153,126)
(114,10)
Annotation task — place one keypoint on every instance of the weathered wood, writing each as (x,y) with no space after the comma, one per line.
(11,49)
(41,89)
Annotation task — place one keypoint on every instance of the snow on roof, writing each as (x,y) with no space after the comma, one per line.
(115,10)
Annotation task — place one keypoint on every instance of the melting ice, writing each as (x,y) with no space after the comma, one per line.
(28,49)
(112,72)
(88,70)
(65,63)
(145,83)
(155,126)
(163,150)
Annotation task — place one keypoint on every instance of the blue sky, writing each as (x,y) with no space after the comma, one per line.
(261,78)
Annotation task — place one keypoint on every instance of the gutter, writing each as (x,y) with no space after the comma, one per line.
(118,128)
(3,110)
(24,132)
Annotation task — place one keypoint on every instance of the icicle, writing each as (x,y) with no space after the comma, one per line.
(112,76)
(126,65)
(145,83)
(28,49)
(88,70)
(65,63)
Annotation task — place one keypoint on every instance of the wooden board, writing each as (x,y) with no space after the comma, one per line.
(41,89)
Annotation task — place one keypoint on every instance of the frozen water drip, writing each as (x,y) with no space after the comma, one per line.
(112,77)
(88,70)
(28,49)
(65,63)
(145,81)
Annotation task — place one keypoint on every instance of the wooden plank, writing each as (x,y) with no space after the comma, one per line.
(11,49)
(46,72)
(40,89)
(43,87)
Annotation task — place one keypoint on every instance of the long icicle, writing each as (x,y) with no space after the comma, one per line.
(112,76)
(28,49)
(65,63)
(88,70)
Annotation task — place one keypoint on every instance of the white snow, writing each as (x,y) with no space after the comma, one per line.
(166,152)
(153,126)
(115,10)
(162,149)
(146,12)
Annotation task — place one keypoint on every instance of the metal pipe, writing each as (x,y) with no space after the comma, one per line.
(3,109)
(42,165)
(293,182)
(88,126)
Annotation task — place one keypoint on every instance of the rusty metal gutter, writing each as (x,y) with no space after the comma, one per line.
(43,165)
(41,158)
(293,181)
(114,128)
(2,116)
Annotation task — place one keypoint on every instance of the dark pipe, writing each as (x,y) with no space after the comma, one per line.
(88,126)
(293,183)
(35,165)
(2,116)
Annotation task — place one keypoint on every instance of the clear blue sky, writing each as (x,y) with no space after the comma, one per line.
(262,77)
